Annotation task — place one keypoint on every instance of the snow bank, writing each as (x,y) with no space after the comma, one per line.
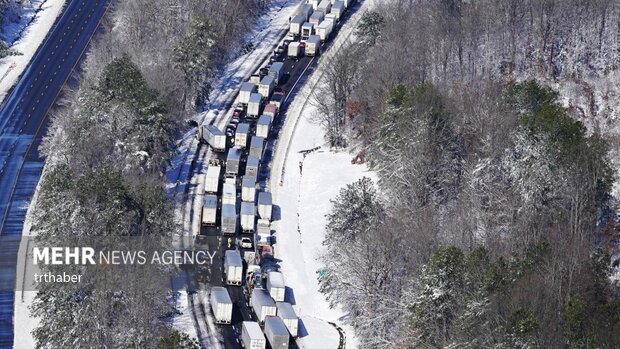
(304,200)
(30,40)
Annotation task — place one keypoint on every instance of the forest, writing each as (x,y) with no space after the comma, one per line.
(106,151)
(493,221)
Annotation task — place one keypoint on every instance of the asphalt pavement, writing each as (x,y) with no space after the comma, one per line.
(23,121)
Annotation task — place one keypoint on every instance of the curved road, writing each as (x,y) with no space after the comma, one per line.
(23,120)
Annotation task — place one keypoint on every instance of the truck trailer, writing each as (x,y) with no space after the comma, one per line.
(275,286)
(324,30)
(287,314)
(264,205)
(233,162)
(229,194)
(246,91)
(296,23)
(325,6)
(221,305)
(209,210)
(277,72)
(265,88)
(251,336)
(305,11)
(229,219)
(242,134)
(276,332)
(317,17)
(294,50)
(263,232)
(271,110)
(233,267)
(254,105)
(248,215)
(212,179)
(248,188)
(262,304)
(338,9)
(263,125)
(214,137)
(251,166)
(256,147)
(306,30)
(313,45)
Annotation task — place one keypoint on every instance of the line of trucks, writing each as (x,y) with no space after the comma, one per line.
(243,143)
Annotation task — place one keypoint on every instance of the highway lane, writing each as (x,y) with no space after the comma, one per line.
(23,121)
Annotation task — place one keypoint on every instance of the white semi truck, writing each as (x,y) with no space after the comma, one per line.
(221,305)
(233,267)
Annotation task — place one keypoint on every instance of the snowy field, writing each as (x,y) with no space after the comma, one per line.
(26,35)
(304,200)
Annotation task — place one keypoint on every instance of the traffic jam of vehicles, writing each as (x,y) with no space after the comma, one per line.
(234,201)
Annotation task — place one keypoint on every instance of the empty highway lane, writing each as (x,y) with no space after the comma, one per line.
(23,119)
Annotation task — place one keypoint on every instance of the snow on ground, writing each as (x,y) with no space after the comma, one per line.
(24,323)
(184,321)
(27,39)
(304,200)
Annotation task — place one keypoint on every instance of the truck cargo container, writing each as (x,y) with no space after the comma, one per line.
(276,332)
(271,110)
(306,30)
(212,178)
(275,286)
(248,214)
(314,3)
(252,166)
(331,17)
(277,72)
(249,255)
(263,125)
(338,9)
(324,30)
(233,162)
(263,232)
(248,188)
(296,23)
(287,314)
(277,100)
(305,11)
(221,305)
(233,267)
(254,105)
(229,194)
(316,18)
(209,210)
(242,134)
(325,6)
(262,304)
(313,45)
(214,137)
(256,147)
(294,50)
(265,88)
(229,219)
(264,205)
(251,336)
(246,91)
